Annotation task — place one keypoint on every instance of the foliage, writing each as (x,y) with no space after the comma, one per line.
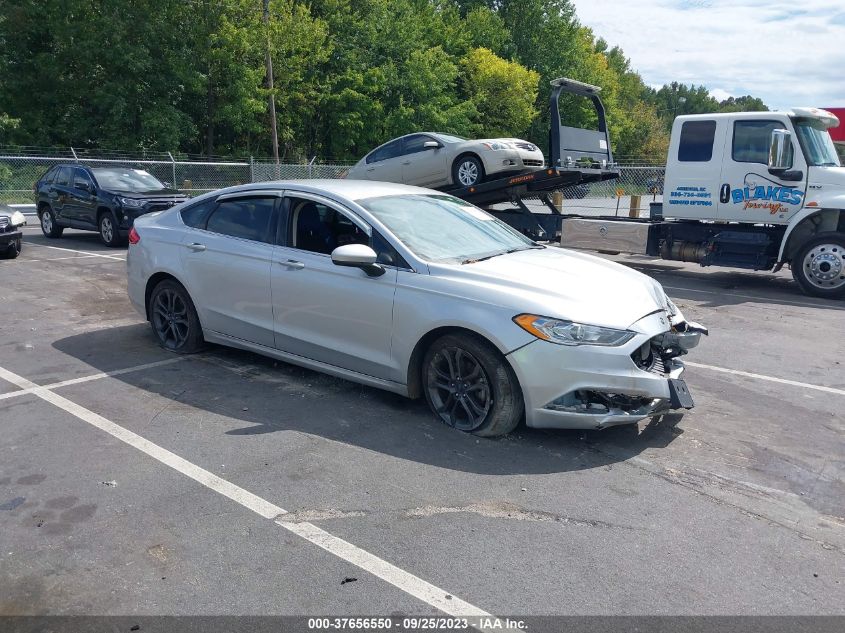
(190,76)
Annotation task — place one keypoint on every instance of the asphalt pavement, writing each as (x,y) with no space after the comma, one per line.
(134,482)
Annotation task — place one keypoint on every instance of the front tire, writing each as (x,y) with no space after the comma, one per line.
(13,250)
(174,319)
(109,234)
(467,171)
(48,224)
(819,266)
(470,386)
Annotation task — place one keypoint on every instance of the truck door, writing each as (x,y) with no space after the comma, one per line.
(695,167)
(748,191)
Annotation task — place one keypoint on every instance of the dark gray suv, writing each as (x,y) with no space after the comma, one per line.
(102,199)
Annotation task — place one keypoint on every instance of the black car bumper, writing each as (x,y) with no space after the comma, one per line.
(7,239)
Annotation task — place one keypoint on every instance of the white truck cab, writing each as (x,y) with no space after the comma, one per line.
(775,180)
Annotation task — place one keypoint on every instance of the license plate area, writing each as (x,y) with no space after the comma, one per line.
(679,395)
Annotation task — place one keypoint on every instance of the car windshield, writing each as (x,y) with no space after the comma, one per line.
(448,138)
(442,228)
(122,179)
(817,144)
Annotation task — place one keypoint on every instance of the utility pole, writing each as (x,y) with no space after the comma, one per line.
(270,84)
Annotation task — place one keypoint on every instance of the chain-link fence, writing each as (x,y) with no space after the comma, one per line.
(20,168)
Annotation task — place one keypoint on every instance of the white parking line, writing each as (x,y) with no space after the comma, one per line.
(412,585)
(107,374)
(55,259)
(783,381)
(71,250)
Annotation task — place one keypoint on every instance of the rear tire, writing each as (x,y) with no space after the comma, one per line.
(13,250)
(174,319)
(819,266)
(469,385)
(48,224)
(467,171)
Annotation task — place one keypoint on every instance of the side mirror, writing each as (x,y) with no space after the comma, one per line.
(83,185)
(780,151)
(431,145)
(357,256)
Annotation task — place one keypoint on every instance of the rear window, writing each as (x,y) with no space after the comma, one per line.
(696,144)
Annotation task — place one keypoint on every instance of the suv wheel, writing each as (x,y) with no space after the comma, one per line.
(108,230)
(49,226)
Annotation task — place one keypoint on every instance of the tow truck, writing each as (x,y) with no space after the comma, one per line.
(754,190)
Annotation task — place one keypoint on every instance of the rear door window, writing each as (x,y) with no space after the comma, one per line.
(196,215)
(385,152)
(245,218)
(696,145)
(64,176)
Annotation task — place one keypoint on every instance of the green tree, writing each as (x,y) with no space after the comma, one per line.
(503,92)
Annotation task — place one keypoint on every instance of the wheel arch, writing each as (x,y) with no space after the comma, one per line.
(414,371)
(807,224)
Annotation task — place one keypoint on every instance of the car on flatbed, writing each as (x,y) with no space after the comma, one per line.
(436,160)
(417,292)
(102,199)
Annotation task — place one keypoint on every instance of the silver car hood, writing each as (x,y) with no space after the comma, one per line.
(565,284)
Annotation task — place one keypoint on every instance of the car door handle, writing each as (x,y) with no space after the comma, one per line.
(406,162)
(197,248)
(293,264)
(371,168)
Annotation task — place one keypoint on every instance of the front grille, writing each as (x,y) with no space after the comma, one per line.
(648,358)
(532,163)
(526,146)
(5,222)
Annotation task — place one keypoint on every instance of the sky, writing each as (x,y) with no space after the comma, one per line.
(787,52)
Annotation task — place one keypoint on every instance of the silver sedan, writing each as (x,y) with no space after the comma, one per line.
(416,292)
(431,159)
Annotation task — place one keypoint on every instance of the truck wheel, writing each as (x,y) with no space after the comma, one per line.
(467,171)
(12,251)
(819,266)
(470,386)
(48,224)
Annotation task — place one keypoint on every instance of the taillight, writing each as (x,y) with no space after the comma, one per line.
(134,238)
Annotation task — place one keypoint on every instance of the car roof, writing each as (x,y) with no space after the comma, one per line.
(349,189)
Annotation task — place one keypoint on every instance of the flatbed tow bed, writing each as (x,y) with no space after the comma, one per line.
(576,156)
(540,183)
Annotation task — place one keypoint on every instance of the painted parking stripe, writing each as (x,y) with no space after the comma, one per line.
(82,379)
(412,585)
(72,250)
(55,259)
(783,381)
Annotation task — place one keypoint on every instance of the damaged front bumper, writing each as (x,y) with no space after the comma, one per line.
(591,387)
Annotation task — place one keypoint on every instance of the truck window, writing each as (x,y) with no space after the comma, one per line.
(752,139)
(696,144)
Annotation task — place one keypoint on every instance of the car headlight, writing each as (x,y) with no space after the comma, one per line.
(17,218)
(131,203)
(497,145)
(570,333)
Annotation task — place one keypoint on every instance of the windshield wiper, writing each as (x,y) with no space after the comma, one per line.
(507,252)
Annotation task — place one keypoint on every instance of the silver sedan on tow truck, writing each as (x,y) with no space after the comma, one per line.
(417,292)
